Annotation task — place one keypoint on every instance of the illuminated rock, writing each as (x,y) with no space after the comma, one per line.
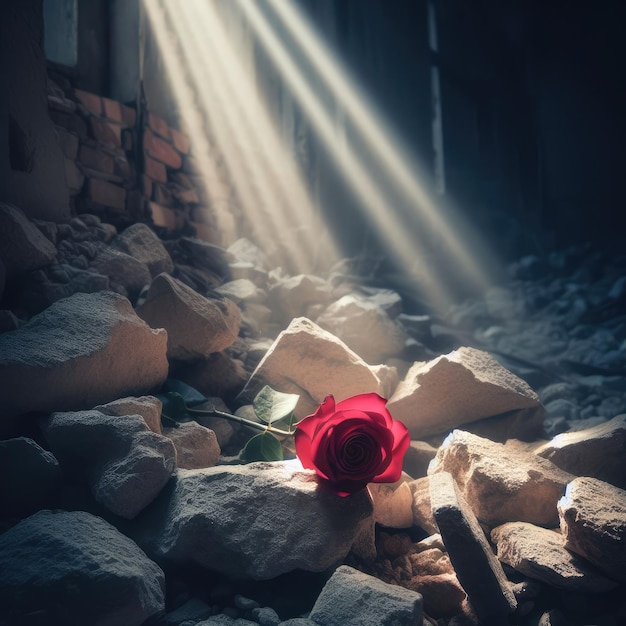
(149,407)
(598,451)
(196,326)
(475,564)
(501,483)
(311,362)
(593,522)
(253,521)
(75,568)
(84,350)
(393,504)
(365,327)
(463,386)
(291,297)
(539,553)
(125,464)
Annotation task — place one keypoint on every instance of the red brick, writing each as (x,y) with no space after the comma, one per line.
(90,100)
(96,159)
(129,116)
(205,232)
(155,170)
(161,150)
(181,142)
(162,195)
(112,110)
(166,218)
(187,196)
(107,194)
(159,125)
(106,132)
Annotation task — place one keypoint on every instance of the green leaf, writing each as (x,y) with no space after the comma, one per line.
(262,447)
(273,406)
(174,406)
(190,395)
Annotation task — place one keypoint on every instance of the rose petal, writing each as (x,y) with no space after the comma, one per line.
(401,442)
(302,442)
(366,402)
(312,423)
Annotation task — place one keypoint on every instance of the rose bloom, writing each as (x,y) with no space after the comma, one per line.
(352,443)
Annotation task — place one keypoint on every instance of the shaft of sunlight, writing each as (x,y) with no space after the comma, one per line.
(386,148)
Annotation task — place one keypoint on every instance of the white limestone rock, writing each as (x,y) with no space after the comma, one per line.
(417,458)
(421,507)
(599,451)
(463,386)
(539,553)
(364,327)
(253,521)
(125,464)
(393,503)
(309,361)
(142,243)
(290,297)
(242,291)
(352,598)
(592,517)
(196,446)
(475,564)
(84,350)
(23,247)
(196,326)
(75,568)
(502,483)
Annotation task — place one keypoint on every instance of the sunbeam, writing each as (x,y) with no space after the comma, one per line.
(274,200)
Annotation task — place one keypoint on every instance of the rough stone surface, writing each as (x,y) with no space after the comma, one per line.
(149,407)
(84,350)
(254,521)
(196,326)
(196,446)
(599,451)
(593,522)
(127,275)
(125,464)
(352,598)
(291,297)
(23,247)
(140,242)
(475,564)
(309,361)
(539,553)
(460,387)
(364,327)
(502,483)
(75,568)
(31,477)
(393,504)
(422,510)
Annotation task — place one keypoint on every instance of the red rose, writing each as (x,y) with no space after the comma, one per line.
(352,443)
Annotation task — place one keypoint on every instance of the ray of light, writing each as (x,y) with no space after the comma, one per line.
(401,242)
(385,146)
(268,184)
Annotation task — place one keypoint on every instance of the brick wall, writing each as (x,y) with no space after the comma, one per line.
(127,173)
